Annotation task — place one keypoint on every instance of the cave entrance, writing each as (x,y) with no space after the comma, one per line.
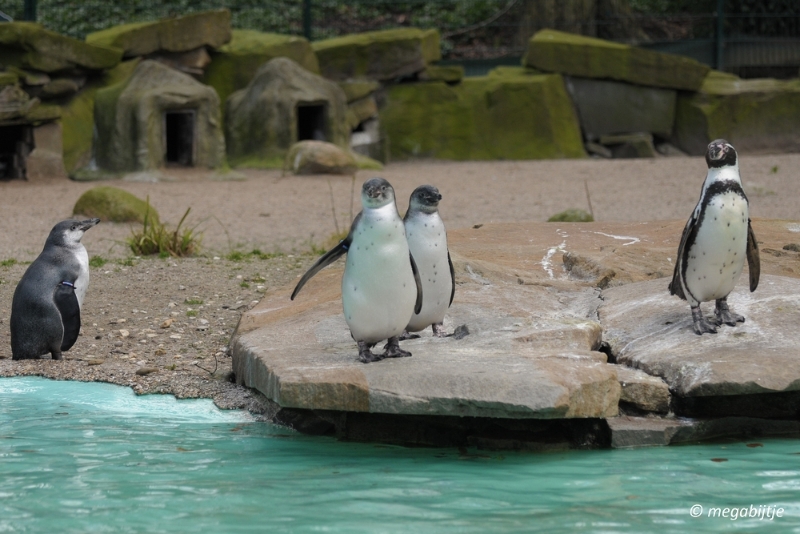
(311,122)
(179,138)
(16,142)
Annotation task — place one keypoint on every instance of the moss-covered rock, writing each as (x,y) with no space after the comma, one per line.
(753,115)
(8,78)
(572,215)
(510,70)
(78,116)
(361,110)
(509,117)
(262,120)
(379,55)
(442,73)
(233,65)
(178,34)
(631,145)
(28,45)
(130,122)
(113,204)
(60,87)
(358,89)
(567,53)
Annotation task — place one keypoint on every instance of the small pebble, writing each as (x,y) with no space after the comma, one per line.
(144,371)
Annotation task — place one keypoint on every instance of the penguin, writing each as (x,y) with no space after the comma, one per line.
(715,242)
(381,288)
(46,307)
(427,240)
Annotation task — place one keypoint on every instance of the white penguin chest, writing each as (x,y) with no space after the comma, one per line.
(427,240)
(82,282)
(378,287)
(716,258)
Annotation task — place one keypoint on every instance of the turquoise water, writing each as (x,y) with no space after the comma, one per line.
(83,457)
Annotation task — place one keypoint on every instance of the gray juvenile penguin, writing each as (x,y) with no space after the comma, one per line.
(380,287)
(46,308)
(715,242)
(427,240)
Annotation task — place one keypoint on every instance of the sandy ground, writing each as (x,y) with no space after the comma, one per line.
(163,325)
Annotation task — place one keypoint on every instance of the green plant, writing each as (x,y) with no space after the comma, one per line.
(193,301)
(97,261)
(156,238)
(244,285)
(8,263)
(191,313)
(236,256)
(127,262)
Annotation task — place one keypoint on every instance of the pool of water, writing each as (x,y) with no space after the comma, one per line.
(84,457)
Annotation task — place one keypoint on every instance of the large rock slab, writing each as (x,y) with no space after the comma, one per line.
(379,55)
(235,62)
(531,353)
(491,117)
(652,331)
(28,45)
(576,55)
(178,34)
(606,107)
(754,115)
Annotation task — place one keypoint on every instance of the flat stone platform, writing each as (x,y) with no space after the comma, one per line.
(545,304)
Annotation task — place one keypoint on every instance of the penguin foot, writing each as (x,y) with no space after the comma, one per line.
(723,314)
(438,330)
(56,355)
(393,350)
(365,355)
(406,335)
(701,325)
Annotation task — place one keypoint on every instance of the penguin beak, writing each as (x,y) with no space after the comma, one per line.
(85,225)
(718,150)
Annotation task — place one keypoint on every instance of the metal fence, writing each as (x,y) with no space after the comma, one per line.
(744,36)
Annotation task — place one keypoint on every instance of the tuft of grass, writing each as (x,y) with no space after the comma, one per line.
(258,279)
(236,256)
(244,285)
(193,301)
(156,238)
(97,261)
(127,262)
(774,169)
(191,313)
(8,263)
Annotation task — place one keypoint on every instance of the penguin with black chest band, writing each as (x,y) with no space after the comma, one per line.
(381,287)
(427,240)
(716,241)
(46,307)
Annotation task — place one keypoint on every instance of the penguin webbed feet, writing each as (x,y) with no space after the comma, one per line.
(701,325)
(56,355)
(406,335)
(365,354)
(438,330)
(392,349)
(723,314)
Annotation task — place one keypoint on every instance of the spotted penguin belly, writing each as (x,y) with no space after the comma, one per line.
(427,240)
(715,260)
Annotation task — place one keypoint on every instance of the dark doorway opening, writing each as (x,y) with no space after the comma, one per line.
(179,137)
(16,142)
(311,122)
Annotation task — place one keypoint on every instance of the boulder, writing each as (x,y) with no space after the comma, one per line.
(607,107)
(28,45)
(587,57)
(130,118)
(319,157)
(115,205)
(379,55)
(754,115)
(442,73)
(60,87)
(490,117)
(360,110)
(283,104)
(234,63)
(178,34)
(642,391)
(358,89)
(46,161)
(8,78)
(632,145)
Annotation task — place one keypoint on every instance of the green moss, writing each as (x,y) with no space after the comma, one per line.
(515,117)
(443,73)
(507,70)
(571,215)
(78,117)
(576,55)
(234,64)
(358,89)
(366,163)
(379,55)
(8,78)
(113,204)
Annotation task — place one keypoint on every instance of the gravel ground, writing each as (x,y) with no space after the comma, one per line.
(163,325)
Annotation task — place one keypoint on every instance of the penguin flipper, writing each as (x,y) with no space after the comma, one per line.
(418,303)
(675,286)
(753,259)
(452,279)
(70,310)
(326,259)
